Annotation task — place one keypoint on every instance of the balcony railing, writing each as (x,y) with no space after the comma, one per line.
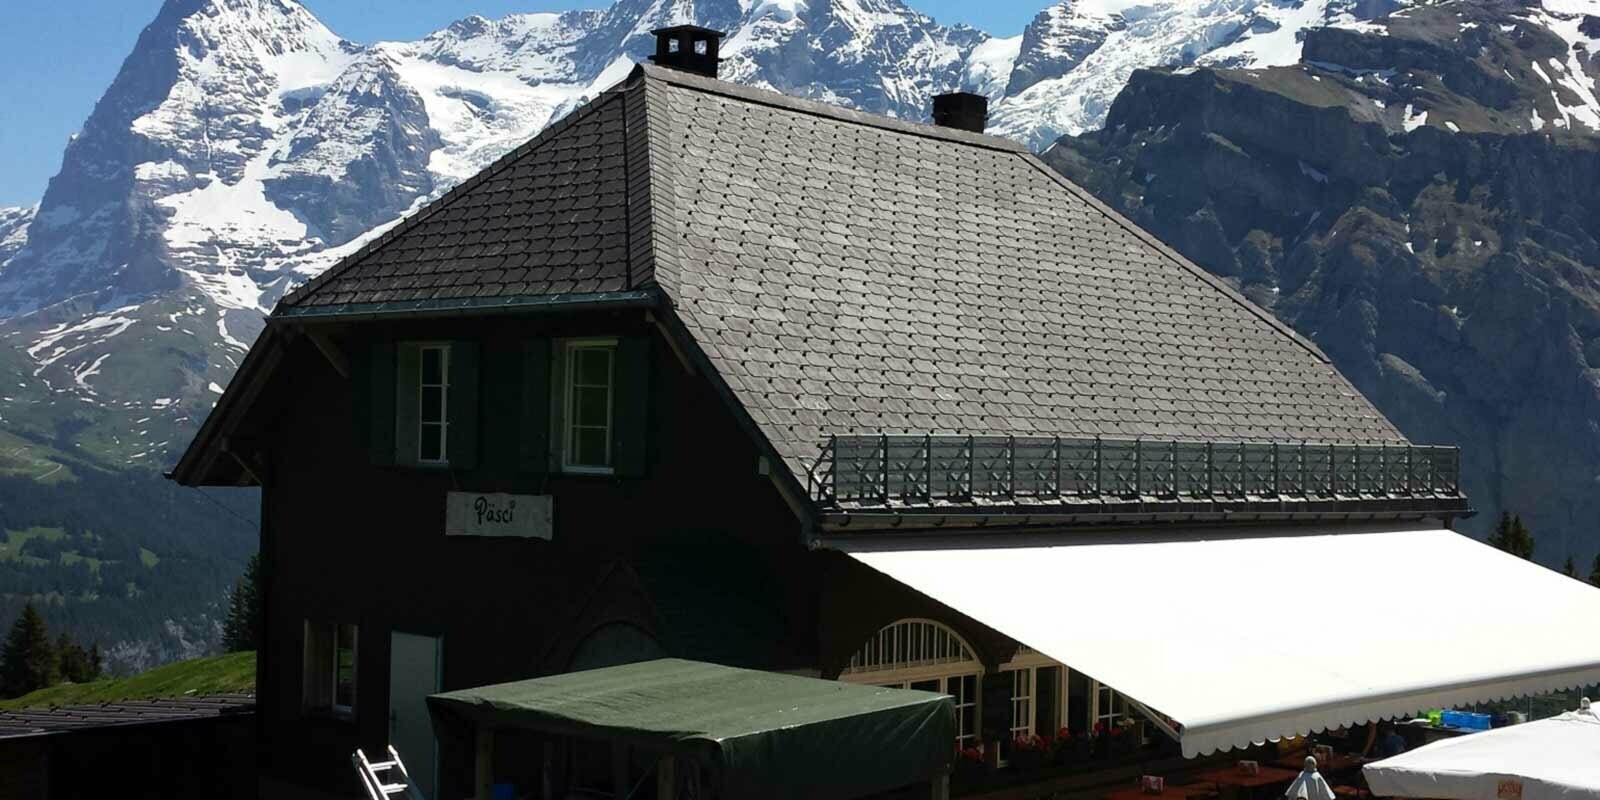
(940,470)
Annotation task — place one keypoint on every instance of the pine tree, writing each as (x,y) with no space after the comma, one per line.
(1513,536)
(97,662)
(27,660)
(76,663)
(1569,569)
(242,628)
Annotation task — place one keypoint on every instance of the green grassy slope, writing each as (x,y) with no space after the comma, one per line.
(233,672)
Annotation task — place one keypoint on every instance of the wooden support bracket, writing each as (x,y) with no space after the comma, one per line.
(336,357)
(672,341)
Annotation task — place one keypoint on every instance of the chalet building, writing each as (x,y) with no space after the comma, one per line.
(709,372)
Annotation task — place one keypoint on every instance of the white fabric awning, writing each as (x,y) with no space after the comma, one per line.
(1246,636)
(1552,759)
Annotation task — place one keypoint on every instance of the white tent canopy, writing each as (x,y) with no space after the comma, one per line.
(1246,636)
(1552,759)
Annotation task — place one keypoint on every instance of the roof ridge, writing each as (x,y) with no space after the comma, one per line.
(779,100)
(477,179)
(1161,247)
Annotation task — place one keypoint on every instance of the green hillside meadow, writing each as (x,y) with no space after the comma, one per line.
(233,672)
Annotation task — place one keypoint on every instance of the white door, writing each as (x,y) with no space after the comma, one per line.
(416,670)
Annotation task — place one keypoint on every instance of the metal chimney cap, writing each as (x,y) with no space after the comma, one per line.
(690,48)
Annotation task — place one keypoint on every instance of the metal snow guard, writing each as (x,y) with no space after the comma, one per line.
(941,470)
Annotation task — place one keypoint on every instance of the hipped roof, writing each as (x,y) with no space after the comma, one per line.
(849,273)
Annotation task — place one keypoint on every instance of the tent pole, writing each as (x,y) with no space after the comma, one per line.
(483,777)
(666,779)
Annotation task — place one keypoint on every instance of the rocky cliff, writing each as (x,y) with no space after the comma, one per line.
(1417,196)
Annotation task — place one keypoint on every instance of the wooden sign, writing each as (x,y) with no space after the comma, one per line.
(524,516)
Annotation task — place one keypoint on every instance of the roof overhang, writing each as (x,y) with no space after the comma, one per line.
(1243,636)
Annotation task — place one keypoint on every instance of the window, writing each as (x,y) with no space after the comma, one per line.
(433,398)
(329,681)
(1038,695)
(588,370)
(1021,703)
(925,655)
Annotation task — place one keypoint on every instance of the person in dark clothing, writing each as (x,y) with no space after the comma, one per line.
(1393,743)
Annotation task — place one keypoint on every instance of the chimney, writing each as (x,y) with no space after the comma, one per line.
(963,110)
(690,48)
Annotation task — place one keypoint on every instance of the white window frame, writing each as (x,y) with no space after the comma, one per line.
(1111,715)
(1024,697)
(333,670)
(911,651)
(321,671)
(566,428)
(1028,662)
(444,402)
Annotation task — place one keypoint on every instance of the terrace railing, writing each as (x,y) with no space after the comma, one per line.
(929,470)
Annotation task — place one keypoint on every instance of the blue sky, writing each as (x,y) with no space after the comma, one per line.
(57,56)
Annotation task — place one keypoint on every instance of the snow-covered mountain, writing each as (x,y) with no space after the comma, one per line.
(244,147)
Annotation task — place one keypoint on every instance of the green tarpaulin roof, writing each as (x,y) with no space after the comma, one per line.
(761,734)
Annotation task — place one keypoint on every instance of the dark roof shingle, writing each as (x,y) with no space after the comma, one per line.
(847,273)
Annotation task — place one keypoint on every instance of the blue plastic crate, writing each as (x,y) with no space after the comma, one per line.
(1466,719)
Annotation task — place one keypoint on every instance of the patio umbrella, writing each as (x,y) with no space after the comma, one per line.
(1552,759)
(1309,784)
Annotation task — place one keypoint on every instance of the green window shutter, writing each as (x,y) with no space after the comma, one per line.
(631,407)
(375,399)
(534,449)
(463,407)
(407,403)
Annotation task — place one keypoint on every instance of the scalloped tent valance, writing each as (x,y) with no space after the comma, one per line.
(1243,636)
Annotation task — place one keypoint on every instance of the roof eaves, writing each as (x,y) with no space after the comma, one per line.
(545,136)
(259,362)
(471,305)
(762,97)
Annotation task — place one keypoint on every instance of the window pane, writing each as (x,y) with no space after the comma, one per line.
(591,407)
(431,445)
(432,404)
(344,684)
(432,365)
(591,448)
(594,366)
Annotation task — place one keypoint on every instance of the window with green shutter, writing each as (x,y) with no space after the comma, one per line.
(600,398)
(435,404)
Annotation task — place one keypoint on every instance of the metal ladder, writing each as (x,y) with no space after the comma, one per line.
(399,781)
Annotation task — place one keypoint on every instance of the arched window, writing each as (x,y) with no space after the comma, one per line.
(923,654)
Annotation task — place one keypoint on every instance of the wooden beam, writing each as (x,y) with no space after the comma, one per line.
(667,778)
(483,775)
(672,342)
(336,357)
(248,461)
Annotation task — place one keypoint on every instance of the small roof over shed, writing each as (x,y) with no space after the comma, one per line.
(758,734)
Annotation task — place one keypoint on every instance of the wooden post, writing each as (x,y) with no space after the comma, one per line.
(546,780)
(483,780)
(619,771)
(666,778)
(941,786)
